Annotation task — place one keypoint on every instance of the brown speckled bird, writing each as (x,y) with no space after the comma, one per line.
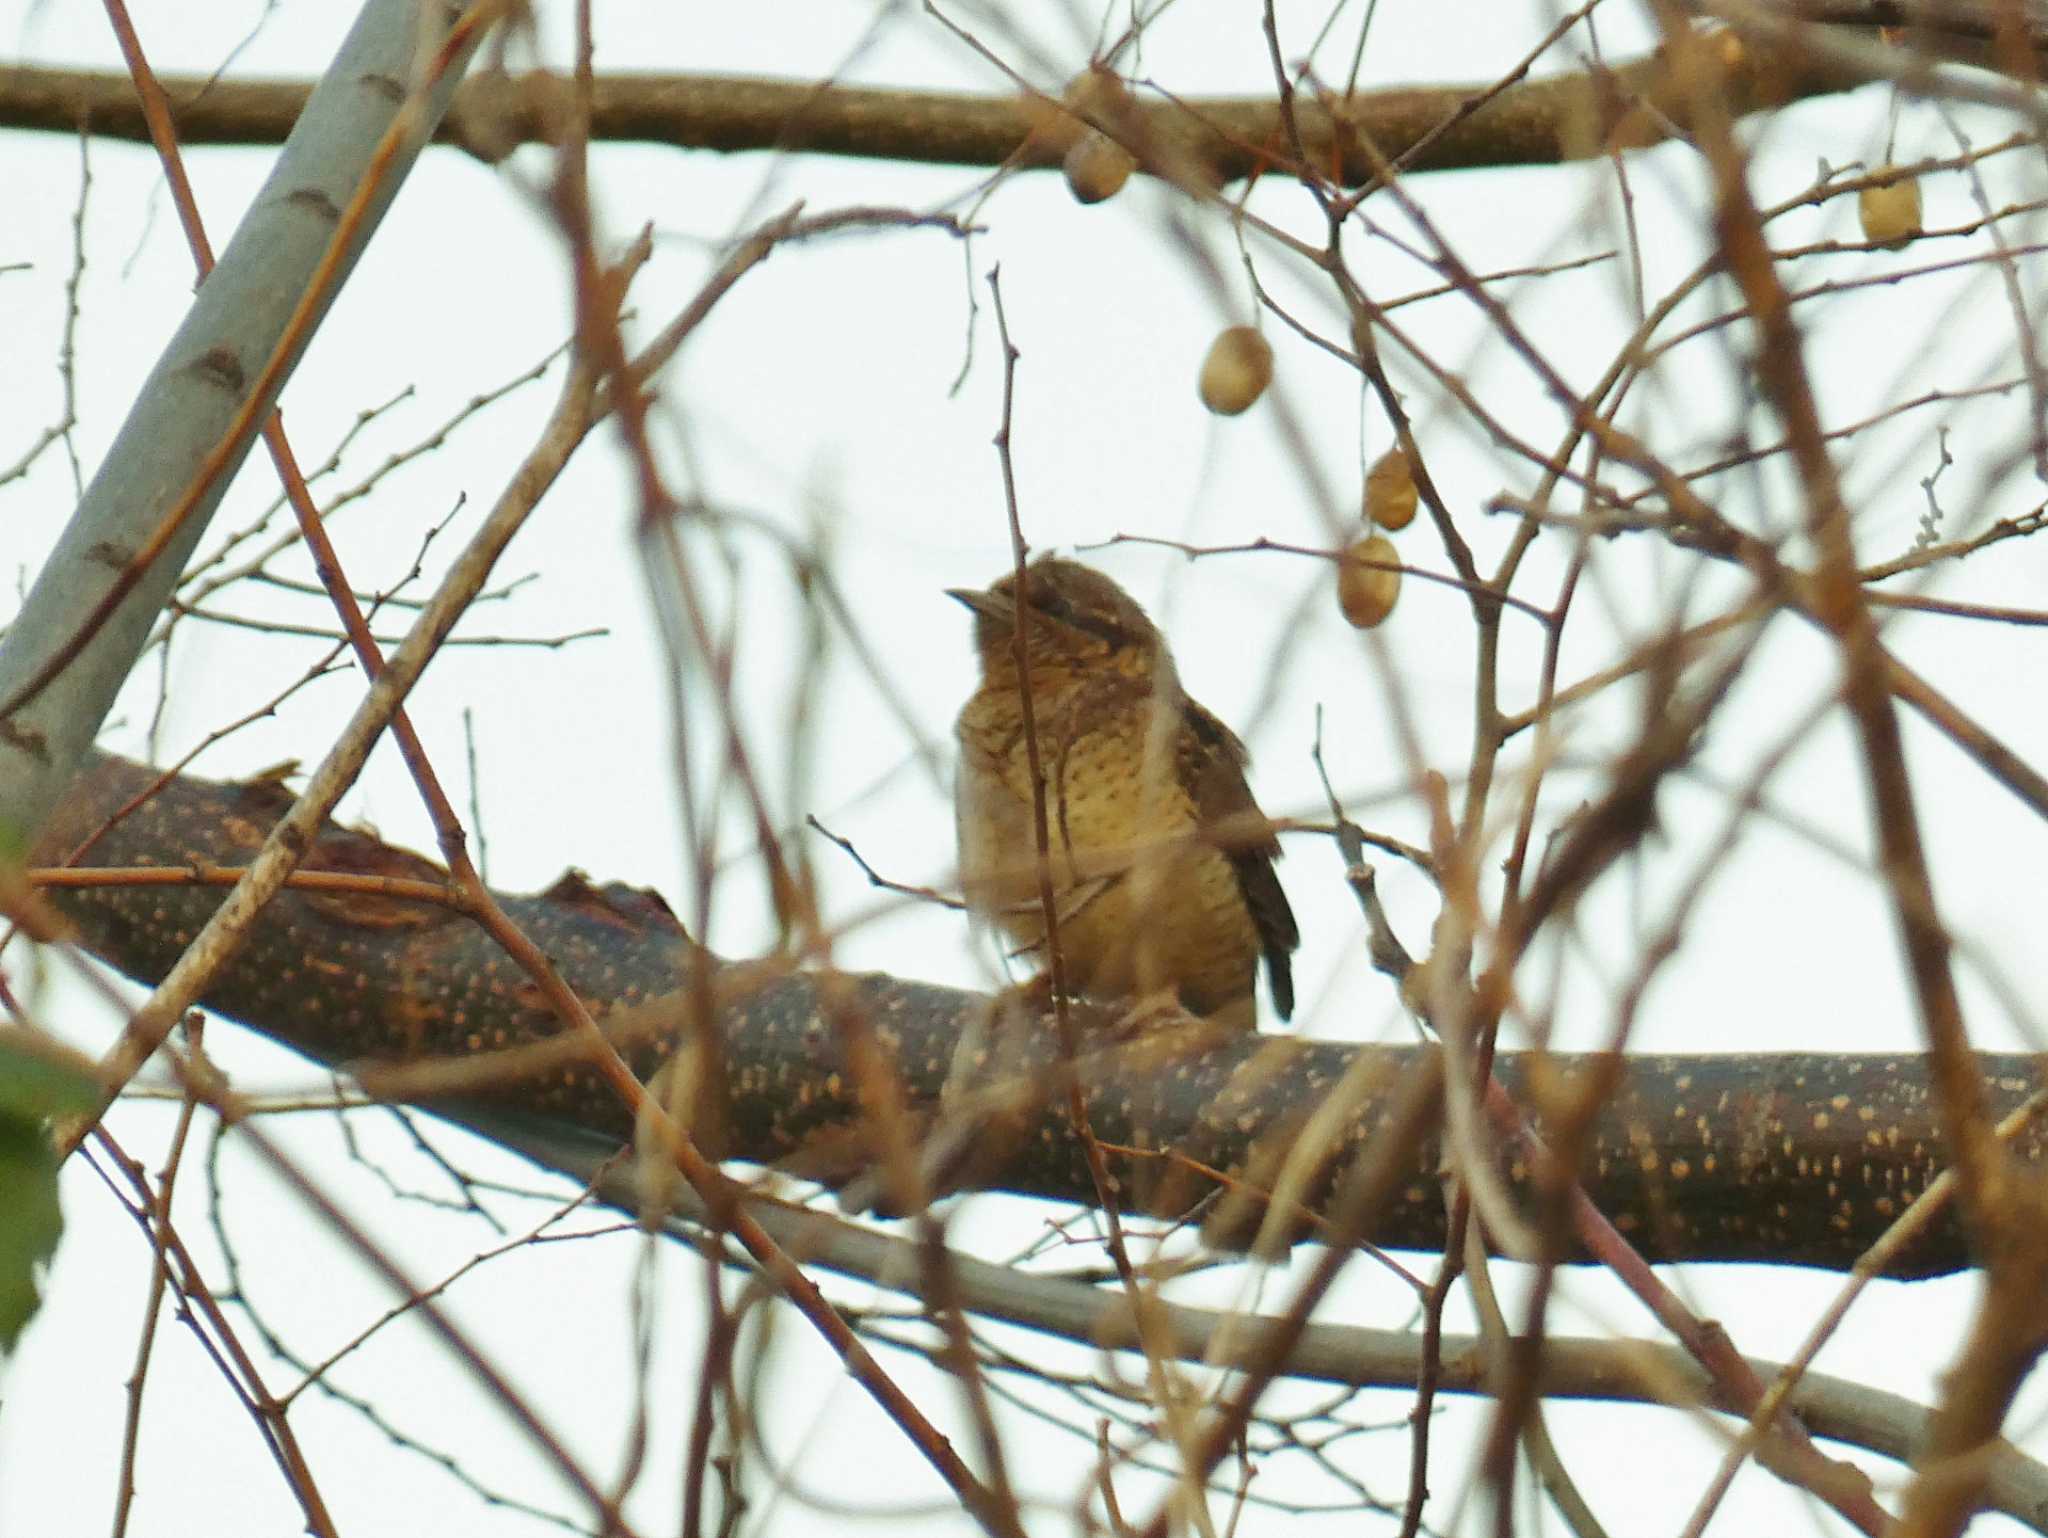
(1162,864)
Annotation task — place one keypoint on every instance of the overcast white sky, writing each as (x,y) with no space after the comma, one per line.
(821,394)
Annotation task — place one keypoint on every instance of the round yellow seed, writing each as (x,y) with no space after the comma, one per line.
(1236,371)
(1368,581)
(1097,167)
(1890,214)
(1096,92)
(1390,491)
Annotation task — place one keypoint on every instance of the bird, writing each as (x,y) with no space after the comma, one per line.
(1161,862)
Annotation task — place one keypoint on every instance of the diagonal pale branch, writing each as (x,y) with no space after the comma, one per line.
(1799,1159)
(1531,122)
(1572,1368)
(195,417)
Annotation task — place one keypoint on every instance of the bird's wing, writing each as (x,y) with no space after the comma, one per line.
(1211,763)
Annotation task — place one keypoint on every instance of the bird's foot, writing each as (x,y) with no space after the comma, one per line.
(1150,1016)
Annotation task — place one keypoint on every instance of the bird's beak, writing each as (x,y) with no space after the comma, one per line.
(996,606)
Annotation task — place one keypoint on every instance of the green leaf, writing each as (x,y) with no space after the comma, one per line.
(32,1089)
(13,844)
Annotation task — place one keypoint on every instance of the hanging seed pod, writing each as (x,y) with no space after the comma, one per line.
(1097,92)
(1368,581)
(1390,491)
(1890,214)
(1236,371)
(1097,167)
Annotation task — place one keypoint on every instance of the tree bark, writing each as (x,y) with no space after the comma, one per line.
(1793,1158)
(1423,128)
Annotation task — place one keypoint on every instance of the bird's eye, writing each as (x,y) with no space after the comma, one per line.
(1048,602)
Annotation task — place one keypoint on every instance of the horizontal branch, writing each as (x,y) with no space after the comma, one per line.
(1584,1368)
(1800,1159)
(1529,122)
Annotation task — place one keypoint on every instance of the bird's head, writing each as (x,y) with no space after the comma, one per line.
(1077,618)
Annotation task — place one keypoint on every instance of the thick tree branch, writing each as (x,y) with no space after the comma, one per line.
(1801,1159)
(1533,122)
